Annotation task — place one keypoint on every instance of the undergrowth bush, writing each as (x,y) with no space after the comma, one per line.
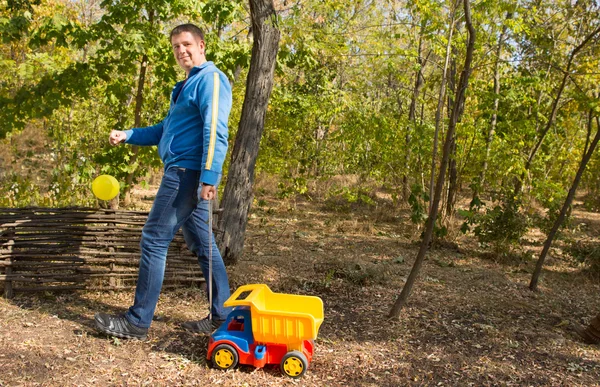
(499,228)
(586,254)
(418,201)
(20,191)
(347,198)
(355,273)
(591,201)
(291,187)
(63,190)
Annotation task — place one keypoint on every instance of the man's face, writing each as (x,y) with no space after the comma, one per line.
(188,50)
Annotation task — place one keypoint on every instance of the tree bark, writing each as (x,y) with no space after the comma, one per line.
(238,195)
(563,212)
(464,81)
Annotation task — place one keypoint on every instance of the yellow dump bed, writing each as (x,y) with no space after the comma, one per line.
(278,317)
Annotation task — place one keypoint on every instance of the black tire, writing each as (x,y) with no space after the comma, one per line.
(224,357)
(294,364)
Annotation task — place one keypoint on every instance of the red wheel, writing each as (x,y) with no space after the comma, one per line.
(294,364)
(224,357)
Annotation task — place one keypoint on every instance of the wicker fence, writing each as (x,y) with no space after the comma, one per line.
(51,249)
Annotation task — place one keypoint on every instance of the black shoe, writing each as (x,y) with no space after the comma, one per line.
(119,326)
(205,326)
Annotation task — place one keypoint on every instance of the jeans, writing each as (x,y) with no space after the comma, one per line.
(177,205)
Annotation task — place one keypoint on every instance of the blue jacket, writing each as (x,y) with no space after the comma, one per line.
(194,133)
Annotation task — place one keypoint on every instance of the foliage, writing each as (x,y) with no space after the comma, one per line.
(418,201)
(551,196)
(344,83)
(296,186)
(346,199)
(500,227)
(78,79)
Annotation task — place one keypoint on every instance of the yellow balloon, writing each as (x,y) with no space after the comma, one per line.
(105,187)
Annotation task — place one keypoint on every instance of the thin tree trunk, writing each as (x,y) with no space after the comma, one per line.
(452,178)
(490,135)
(451,98)
(440,107)
(466,159)
(139,102)
(519,184)
(589,130)
(565,208)
(238,195)
(464,80)
(412,112)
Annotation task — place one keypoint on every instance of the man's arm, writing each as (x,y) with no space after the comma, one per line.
(214,100)
(144,136)
(138,136)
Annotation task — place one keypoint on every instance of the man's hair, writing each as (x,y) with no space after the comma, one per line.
(191,28)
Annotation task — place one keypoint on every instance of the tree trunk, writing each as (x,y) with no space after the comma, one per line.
(440,107)
(238,195)
(464,80)
(563,212)
(490,135)
(452,178)
(567,71)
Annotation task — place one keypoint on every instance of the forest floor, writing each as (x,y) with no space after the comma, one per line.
(469,321)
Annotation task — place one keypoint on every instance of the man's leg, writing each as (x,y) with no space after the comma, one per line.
(197,237)
(175,201)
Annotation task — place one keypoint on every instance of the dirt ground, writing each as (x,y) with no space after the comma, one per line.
(469,320)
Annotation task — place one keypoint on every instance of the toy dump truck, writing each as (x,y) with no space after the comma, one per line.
(267,328)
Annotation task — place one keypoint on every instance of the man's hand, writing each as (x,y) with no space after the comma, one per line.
(116,137)
(208,192)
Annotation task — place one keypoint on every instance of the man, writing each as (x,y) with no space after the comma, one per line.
(192,142)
